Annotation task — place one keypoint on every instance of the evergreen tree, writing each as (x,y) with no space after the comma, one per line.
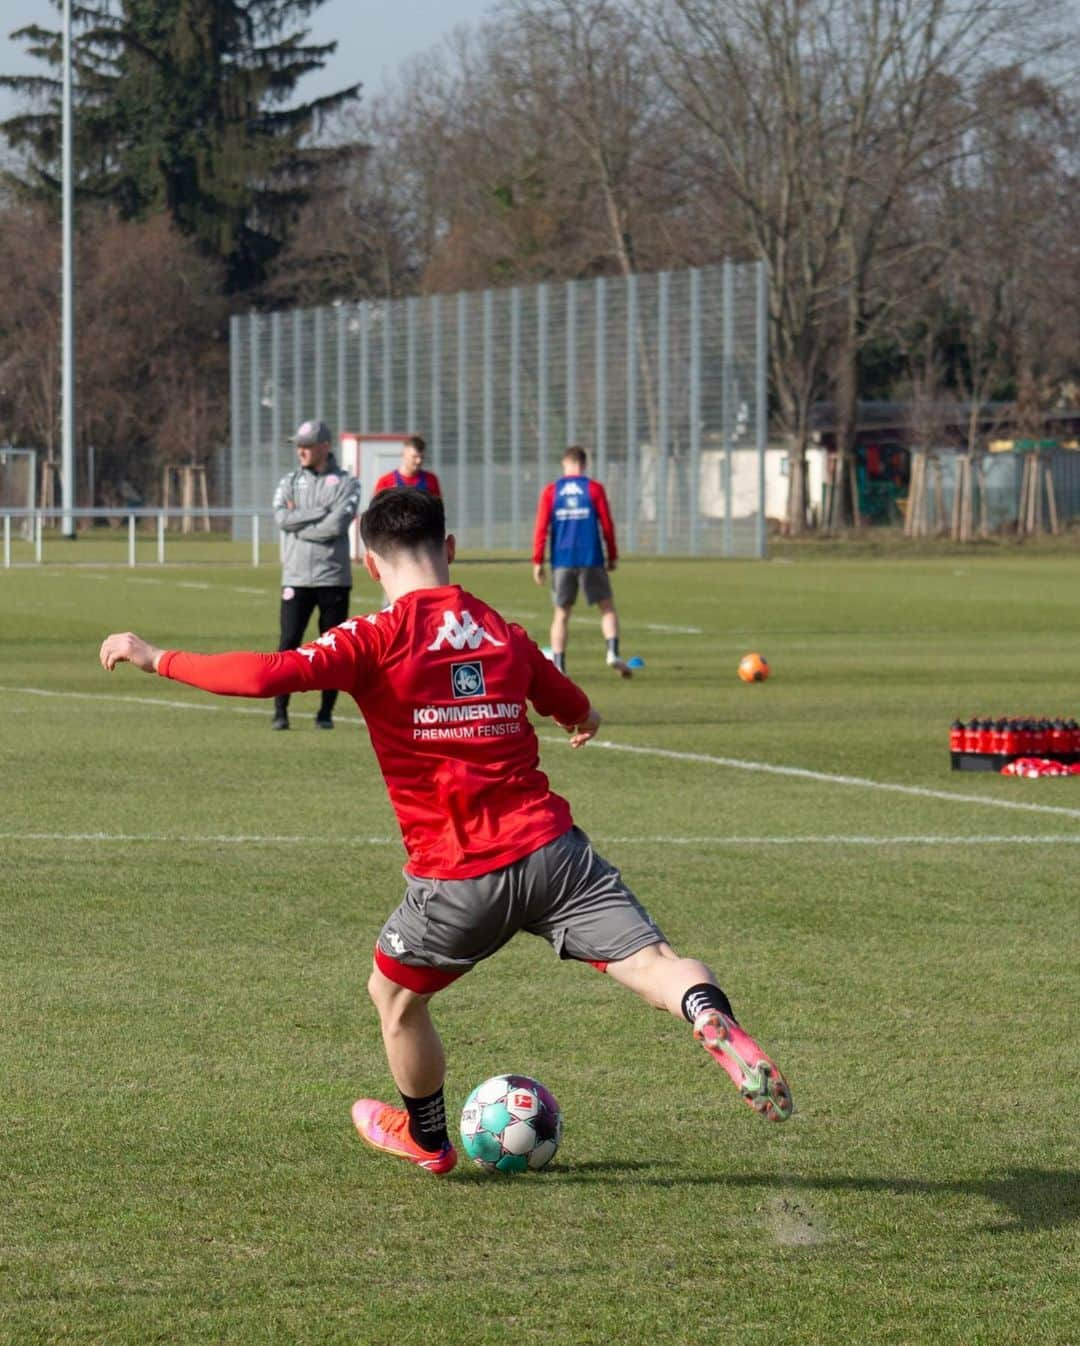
(185,106)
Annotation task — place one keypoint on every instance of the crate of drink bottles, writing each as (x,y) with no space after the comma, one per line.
(988,745)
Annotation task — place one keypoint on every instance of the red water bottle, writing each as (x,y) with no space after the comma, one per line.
(971,736)
(998,739)
(1058,739)
(985,740)
(1072,736)
(956,736)
(1012,739)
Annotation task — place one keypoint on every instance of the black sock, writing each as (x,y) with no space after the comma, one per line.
(559,660)
(613,646)
(427,1120)
(702,997)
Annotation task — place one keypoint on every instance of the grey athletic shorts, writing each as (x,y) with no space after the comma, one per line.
(565,580)
(564,892)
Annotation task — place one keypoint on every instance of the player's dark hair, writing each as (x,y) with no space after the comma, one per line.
(577,455)
(403,519)
(416,442)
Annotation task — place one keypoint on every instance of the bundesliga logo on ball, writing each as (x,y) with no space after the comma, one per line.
(510,1124)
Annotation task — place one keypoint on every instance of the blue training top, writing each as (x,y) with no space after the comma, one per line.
(575,527)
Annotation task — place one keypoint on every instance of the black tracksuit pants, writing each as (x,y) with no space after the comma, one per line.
(333,605)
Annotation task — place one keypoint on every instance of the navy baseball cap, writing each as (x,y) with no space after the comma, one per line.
(313,432)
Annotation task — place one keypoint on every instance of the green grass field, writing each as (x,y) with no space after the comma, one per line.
(189,904)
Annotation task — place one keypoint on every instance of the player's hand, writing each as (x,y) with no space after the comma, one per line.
(538,574)
(585,730)
(128,648)
(610,567)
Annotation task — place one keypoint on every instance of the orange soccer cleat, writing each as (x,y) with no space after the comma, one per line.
(387,1129)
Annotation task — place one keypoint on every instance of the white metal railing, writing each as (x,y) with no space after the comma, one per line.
(37,518)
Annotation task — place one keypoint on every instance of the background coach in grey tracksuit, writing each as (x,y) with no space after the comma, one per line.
(314,506)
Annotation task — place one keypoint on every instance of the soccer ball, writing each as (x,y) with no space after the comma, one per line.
(510,1124)
(753,668)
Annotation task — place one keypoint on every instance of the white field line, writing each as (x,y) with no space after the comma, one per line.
(830,778)
(161,701)
(668,754)
(287,839)
(178,584)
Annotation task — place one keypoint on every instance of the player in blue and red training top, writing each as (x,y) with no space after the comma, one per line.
(411,472)
(443,682)
(575,511)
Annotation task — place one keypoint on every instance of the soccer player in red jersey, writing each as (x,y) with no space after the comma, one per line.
(443,682)
(412,471)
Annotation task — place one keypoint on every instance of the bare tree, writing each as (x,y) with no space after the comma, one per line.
(817,116)
(151,360)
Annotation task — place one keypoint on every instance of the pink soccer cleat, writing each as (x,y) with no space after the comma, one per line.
(751,1071)
(387,1129)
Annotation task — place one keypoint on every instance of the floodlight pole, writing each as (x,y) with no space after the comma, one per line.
(67,400)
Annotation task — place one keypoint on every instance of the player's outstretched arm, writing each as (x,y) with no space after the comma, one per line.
(583,731)
(128,648)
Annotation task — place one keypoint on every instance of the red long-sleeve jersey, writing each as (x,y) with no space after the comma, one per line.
(442,682)
(422,480)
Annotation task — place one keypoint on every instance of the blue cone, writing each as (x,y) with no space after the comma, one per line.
(635,661)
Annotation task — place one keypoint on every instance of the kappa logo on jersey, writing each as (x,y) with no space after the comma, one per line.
(467,679)
(461,632)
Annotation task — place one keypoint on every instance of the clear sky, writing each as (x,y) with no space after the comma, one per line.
(374,37)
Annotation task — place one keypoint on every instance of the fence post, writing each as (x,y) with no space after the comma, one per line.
(727,410)
(37,537)
(570,431)
(695,412)
(435,313)
(631,413)
(761,427)
(663,397)
(255,540)
(277,432)
(488,413)
(387,368)
(131,539)
(7,541)
(161,538)
(364,318)
(341,419)
(515,417)
(541,383)
(411,416)
(600,432)
(462,416)
(320,364)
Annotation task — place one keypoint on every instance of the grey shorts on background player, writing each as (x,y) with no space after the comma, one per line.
(565,581)
(564,892)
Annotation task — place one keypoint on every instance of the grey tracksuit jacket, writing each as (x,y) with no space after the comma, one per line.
(316,528)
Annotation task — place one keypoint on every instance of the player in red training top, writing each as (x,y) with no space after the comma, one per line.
(574,510)
(412,471)
(443,682)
